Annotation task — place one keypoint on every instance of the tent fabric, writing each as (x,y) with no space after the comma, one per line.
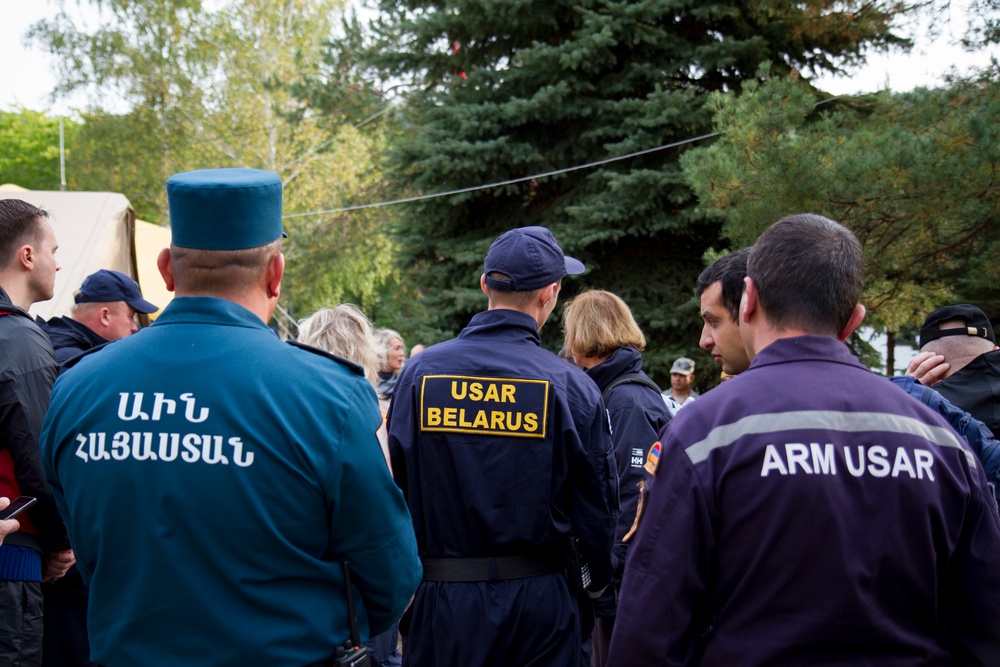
(94,230)
(150,239)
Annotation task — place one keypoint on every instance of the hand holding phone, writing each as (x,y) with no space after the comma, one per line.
(19,505)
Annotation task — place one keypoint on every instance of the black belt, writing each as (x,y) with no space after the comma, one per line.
(488,569)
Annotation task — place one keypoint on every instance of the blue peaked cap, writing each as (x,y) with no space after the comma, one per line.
(107,286)
(532,259)
(224,209)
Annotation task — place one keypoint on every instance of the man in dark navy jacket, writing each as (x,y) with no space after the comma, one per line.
(806,512)
(503,452)
(104,309)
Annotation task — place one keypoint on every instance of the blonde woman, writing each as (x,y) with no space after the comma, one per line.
(603,338)
(346,332)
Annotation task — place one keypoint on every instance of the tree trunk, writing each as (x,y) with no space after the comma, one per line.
(890,353)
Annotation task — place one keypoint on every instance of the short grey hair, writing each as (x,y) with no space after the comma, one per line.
(384,337)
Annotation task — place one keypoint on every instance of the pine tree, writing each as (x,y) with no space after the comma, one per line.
(912,174)
(501,89)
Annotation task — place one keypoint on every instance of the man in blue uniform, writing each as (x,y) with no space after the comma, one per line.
(807,512)
(214,479)
(503,452)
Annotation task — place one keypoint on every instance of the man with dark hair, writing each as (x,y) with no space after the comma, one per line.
(104,309)
(784,524)
(503,452)
(720,289)
(27,275)
(217,481)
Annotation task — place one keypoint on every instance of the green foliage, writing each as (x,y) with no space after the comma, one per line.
(29,148)
(123,153)
(211,85)
(913,175)
(497,90)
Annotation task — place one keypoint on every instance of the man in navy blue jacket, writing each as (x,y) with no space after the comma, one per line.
(806,512)
(503,452)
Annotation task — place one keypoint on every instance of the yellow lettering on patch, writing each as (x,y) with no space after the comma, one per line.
(454,404)
(531,422)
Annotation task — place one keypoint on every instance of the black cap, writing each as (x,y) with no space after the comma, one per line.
(976,323)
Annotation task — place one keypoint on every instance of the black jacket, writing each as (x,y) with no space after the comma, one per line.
(976,389)
(69,337)
(27,370)
(637,413)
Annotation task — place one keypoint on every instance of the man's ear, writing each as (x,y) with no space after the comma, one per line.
(852,324)
(482,284)
(548,293)
(104,315)
(750,301)
(26,257)
(275,272)
(166,268)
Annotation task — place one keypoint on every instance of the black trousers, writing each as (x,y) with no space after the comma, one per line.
(20,623)
(66,643)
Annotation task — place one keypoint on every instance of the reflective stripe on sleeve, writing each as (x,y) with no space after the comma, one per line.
(825,420)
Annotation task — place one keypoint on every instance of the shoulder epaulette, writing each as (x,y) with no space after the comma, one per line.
(351,366)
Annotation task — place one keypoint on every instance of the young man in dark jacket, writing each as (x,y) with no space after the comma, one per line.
(27,370)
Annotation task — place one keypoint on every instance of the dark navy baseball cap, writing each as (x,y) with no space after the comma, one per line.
(531,258)
(106,286)
(976,323)
(224,209)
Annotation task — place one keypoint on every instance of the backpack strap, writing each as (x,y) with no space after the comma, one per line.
(630,378)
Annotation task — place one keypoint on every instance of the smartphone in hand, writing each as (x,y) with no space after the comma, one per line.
(16,506)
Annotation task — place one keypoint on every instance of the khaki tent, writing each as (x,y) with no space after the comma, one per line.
(97,230)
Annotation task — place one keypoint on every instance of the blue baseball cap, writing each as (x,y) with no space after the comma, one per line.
(531,258)
(106,286)
(224,209)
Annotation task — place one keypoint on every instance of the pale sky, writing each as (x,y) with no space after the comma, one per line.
(26,78)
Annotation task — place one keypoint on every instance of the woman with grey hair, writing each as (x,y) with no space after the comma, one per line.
(395,355)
